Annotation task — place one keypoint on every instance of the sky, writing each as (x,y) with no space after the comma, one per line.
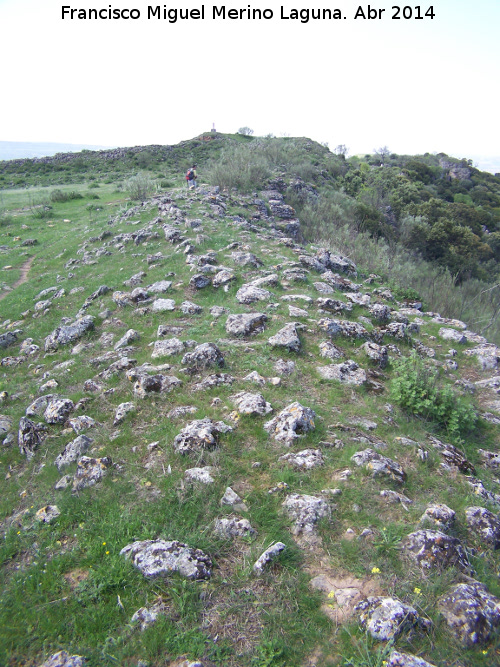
(416,86)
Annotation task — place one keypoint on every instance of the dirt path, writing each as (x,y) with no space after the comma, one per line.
(23,277)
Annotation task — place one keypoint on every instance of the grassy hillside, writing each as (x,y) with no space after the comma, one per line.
(377,368)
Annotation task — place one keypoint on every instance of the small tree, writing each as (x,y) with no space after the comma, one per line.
(341,149)
(246,131)
(382,153)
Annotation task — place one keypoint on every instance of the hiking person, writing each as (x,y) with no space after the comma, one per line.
(191,177)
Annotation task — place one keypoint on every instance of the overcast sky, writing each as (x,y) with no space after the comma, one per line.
(413,85)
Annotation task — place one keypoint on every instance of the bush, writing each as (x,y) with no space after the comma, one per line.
(415,388)
(61,196)
(139,186)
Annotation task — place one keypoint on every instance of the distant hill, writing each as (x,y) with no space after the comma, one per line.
(13,150)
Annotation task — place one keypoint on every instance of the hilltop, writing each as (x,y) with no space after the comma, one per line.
(227,438)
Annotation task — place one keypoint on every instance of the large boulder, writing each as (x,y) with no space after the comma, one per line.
(385,618)
(484,524)
(432,549)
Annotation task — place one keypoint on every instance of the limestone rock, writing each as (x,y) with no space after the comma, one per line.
(202,475)
(267,557)
(147,384)
(286,337)
(244,324)
(163,305)
(484,524)
(64,659)
(251,404)
(200,281)
(295,419)
(167,348)
(160,287)
(199,435)
(214,380)
(146,616)
(439,517)
(452,456)
(347,372)
(380,312)
(306,459)
(332,305)
(223,278)
(377,353)
(73,451)
(232,499)
(379,465)
(129,337)
(305,511)
(293,311)
(68,334)
(57,410)
(398,659)
(234,527)
(249,294)
(433,549)
(121,412)
(82,423)
(246,259)
(471,612)
(254,376)
(30,437)
(330,351)
(344,328)
(8,338)
(284,367)
(190,308)
(159,557)
(47,514)
(453,335)
(89,471)
(385,618)
(204,356)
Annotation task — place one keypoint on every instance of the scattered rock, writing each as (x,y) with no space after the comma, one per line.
(202,475)
(234,527)
(30,437)
(64,659)
(286,337)
(159,557)
(204,356)
(73,451)
(249,294)
(484,524)
(269,555)
(307,459)
(68,334)
(305,511)
(232,499)
(471,612)
(89,471)
(163,305)
(294,420)
(245,324)
(439,517)
(385,618)
(129,337)
(199,435)
(251,404)
(121,412)
(347,372)
(432,549)
(57,410)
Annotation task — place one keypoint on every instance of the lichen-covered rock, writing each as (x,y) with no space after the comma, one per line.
(123,364)
(8,338)
(89,471)
(199,435)
(330,351)
(306,459)
(251,404)
(214,380)
(5,425)
(283,367)
(347,372)
(397,330)
(159,557)
(385,618)
(200,281)
(147,616)
(305,511)
(122,299)
(286,337)
(202,475)
(293,311)
(234,527)
(190,308)
(433,549)
(244,324)
(163,305)
(147,384)
(380,312)
(63,659)
(39,405)
(204,356)
(82,423)
(73,451)
(223,277)
(377,353)
(452,456)
(167,348)
(267,557)
(249,294)
(484,524)
(344,328)
(331,305)
(30,437)
(453,335)
(489,459)
(57,410)
(68,334)
(139,295)
(122,411)
(232,499)
(438,517)
(294,420)
(160,287)
(471,612)
(379,465)
(129,337)
(398,659)
(255,377)
(47,514)
(246,259)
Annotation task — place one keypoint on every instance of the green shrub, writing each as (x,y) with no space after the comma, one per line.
(61,196)
(93,186)
(415,388)
(140,186)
